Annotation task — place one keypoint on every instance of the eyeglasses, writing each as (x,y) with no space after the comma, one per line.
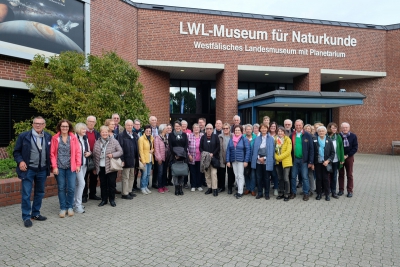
(209,128)
(37,123)
(92,121)
(225,128)
(288,124)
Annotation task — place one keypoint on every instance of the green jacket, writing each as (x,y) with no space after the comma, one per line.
(339,149)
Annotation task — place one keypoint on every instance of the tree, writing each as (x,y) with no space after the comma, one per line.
(72,86)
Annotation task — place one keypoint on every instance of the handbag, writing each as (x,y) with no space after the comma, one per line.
(215,162)
(115,165)
(141,165)
(329,167)
(180,168)
(90,163)
(262,152)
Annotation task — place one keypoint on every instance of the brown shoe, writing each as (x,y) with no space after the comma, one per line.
(305,197)
(253,193)
(292,196)
(246,192)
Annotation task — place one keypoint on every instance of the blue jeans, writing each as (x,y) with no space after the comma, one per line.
(66,180)
(161,175)
(299,167)
(144,181)
(263,179)
(333,176)
(250,180)
(39,178)
(195,177)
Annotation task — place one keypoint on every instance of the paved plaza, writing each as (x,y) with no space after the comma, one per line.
(199,230)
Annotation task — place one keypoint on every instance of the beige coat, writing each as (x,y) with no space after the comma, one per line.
(113,147)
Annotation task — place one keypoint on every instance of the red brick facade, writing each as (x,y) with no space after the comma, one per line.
(155,35)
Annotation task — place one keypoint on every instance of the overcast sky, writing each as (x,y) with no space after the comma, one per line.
(383,12)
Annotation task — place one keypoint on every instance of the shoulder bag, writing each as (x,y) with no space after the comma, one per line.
(90,163)
(115,165)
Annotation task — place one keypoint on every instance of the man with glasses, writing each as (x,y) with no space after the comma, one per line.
(118,128)
(92,136)
(303,158)
(209,142)
(236,121)
(287,124)
(154,133)
(32,154)
(202,124)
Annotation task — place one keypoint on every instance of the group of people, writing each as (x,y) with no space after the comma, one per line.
(254,156)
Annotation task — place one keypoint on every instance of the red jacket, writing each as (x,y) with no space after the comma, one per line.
(76,154)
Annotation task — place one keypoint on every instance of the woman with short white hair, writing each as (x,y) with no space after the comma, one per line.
(324,153)
(80,131)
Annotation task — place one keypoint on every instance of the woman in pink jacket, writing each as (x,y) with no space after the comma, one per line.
(65,157)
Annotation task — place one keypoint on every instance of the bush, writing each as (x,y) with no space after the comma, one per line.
(7,168)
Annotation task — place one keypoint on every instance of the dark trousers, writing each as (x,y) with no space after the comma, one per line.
(348,165)
(107,184)
(231,177)
(263,179)
(195,175)
(322,181)
(92,184)
(221,177)
(162,174)
(169,177)
(333,176)
(155,175)
(136,176)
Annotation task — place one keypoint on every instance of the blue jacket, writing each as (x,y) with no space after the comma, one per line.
(270,162)
(241,153)
(307,147)
(22,151)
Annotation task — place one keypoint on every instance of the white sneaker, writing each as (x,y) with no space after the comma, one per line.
(147,190)
(70,212)
(79,210)
(275,192)
(193,189)
(200,189)
(62,214)
(144,192)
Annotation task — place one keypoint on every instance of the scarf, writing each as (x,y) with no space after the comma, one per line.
(38,138)
(235,140)
(104,143)
(149,138)
(178,135)
(321,148)
(345,141)
(333,137)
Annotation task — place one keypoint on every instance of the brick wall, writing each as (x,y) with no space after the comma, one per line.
(10,189)
(13,68)
(226,98)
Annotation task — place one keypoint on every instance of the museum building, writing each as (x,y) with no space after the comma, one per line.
(215,64)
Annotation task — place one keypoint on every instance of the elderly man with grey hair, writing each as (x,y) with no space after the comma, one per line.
(350,144)
(287,124)
(130,158)
(91,178)
(185,127)
(154,133)
(236,121)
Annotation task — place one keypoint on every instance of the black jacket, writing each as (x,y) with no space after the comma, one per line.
(212,146)
(130,148)
(329,151)
(173,142)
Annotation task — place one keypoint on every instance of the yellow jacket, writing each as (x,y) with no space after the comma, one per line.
(144,149)
(286,153)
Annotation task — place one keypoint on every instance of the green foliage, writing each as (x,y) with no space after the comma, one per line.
(7,168)
(73,87)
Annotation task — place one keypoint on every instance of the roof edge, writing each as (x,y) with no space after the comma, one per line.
(261,16)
